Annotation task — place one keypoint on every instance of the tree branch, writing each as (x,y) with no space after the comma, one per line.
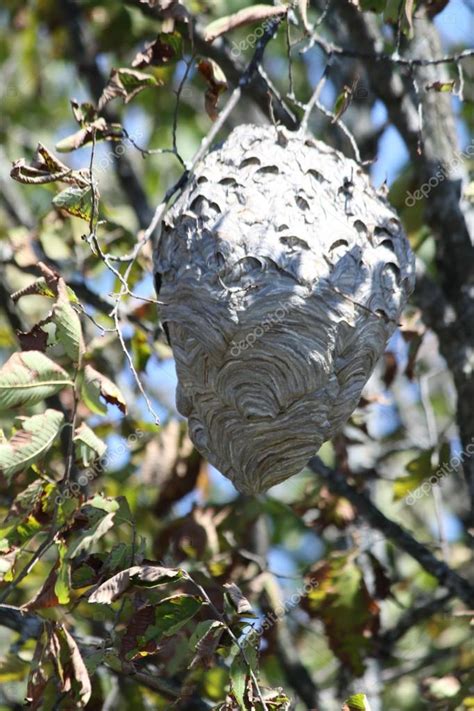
(339,485)
(87,67)
(412,617)
(447,214)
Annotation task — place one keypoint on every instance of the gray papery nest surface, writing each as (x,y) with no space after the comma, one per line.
(283,273)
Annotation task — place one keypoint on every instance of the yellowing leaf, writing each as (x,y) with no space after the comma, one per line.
(12,668)
(356,702)
(63,576)
(75,201)
(28,378)
(442,86)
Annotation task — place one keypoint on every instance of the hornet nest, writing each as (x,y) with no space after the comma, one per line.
(282,274)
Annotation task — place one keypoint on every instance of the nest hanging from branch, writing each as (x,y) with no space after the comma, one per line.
(283,273)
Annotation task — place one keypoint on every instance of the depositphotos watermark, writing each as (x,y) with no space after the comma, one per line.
(447,468)
(278,613)
(250,339)
(251,39)
(440,175)
(73,488)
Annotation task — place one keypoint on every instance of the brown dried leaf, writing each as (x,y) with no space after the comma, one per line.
(136,628)
(217,83)
(303,8)
(38,677)
(98,130)
(254,13)
(238,599)
(46,168)
(34,340)
(45,597)
(390,370)
(76,678)
(167,48)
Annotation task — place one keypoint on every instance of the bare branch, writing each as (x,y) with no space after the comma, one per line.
(339,485)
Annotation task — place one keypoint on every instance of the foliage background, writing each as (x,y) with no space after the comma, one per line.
(365,616)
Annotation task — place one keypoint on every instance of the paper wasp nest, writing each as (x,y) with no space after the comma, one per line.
(283,274)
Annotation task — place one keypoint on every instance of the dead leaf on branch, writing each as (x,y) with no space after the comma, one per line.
(169,10)
(98,130)
(165,50)
(217,84)
(46,168)
(303,10)
(247,16)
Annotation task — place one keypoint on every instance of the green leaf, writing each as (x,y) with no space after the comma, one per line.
(238,677)
(171,614)
(126,84)
(372,5)
(104,503)
(88,537)
(75,201)
(356,702)
(342,103)
(204,641)
(339,597)
(89,447)
(95,385)
(68,325)
(141,350)
(147,575)
(31,442)
(28,378)
(12,668)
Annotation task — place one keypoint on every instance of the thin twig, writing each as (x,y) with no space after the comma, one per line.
(231,634)
(330,48)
